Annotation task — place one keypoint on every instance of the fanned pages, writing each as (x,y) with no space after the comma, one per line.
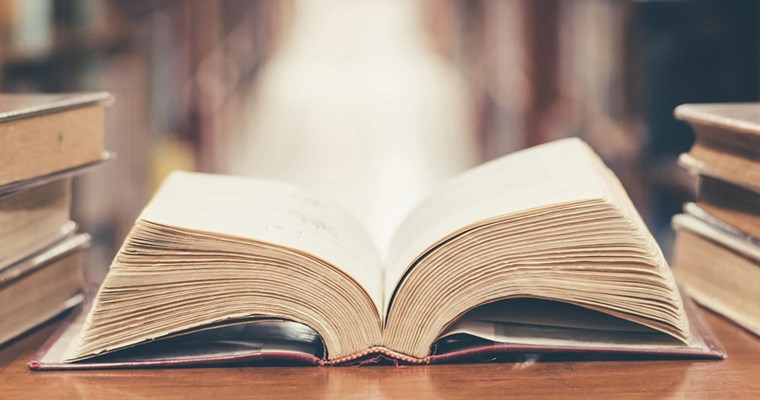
(548,225)
(550,222)
(208,249)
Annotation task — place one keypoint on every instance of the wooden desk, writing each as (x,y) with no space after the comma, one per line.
(737,377)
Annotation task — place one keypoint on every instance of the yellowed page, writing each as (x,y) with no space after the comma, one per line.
(269,212)
(558,172)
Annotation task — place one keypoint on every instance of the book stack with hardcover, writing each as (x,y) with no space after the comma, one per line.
(44,141)
(717,248)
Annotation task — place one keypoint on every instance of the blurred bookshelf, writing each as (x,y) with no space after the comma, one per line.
(610,72)
(178,70)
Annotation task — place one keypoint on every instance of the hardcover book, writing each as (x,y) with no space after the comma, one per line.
(725,156)
(42,285)
(539,251)
(719,266)
(43,134)
(31,220)
(727,143)
(736,205)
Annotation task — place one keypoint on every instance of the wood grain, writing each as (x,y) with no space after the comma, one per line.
(735,378)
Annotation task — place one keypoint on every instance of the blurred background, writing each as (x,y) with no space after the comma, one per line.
(374,102)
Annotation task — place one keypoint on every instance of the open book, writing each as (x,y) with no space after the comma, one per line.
(541,250)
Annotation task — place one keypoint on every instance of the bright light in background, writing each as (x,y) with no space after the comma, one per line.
(358,107)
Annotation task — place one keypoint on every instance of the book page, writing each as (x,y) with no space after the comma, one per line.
(557,314)
(273,213)
(229,341)
(554,336)
(554,173)
(538,322)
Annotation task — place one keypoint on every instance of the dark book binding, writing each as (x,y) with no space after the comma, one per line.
(49,357)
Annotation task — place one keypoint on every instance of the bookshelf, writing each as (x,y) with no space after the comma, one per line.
(181,71)
(168,64)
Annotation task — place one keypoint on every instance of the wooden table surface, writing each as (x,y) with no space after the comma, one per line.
(734,378)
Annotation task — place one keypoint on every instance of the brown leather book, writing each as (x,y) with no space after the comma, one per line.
(41,134)
(719,266)
(733,204)
(32,219)
(42,285)
(539,251)
(727,143)
(726,156)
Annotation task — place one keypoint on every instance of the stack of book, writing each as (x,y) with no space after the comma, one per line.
(717,248)
(44,141)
